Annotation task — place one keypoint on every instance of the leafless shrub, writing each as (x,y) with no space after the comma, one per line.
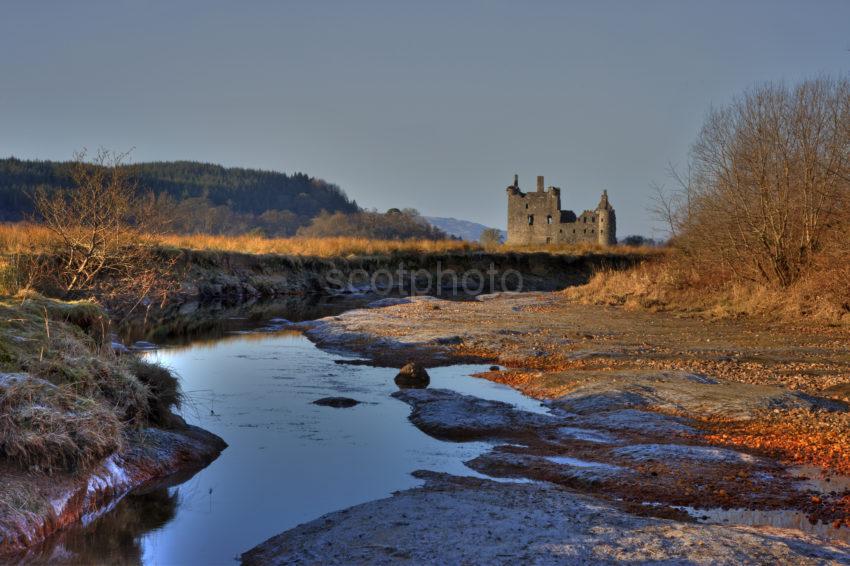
(490,238)
(104,235)
(769,183)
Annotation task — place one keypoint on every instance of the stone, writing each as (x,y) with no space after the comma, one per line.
(336,402)
(447,414)
(412,375)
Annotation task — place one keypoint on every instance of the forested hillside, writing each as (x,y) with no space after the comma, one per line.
(198,197)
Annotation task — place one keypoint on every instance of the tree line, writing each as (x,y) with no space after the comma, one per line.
(195,197)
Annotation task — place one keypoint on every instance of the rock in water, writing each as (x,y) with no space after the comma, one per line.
(336,402)
(412,376)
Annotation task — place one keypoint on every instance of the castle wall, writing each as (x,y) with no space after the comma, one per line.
(537,218)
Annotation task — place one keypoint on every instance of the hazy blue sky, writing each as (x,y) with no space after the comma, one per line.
(433,105)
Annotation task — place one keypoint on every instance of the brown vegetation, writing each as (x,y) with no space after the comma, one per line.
(801,437)
(395,224)
(761,222)
(48,428)
(99,242)
(821,295)
(21,238)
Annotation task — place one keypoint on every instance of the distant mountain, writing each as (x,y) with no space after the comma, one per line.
(464,229)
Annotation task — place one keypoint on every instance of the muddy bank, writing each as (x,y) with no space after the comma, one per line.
(81,425)
(39,505)
(216,275)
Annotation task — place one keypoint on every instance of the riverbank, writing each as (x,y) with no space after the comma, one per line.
(656,422)
(213,275)
(82,424)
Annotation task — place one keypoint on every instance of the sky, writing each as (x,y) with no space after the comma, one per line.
(432,105)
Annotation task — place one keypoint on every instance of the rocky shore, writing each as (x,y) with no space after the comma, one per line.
(658,428)
(473,521)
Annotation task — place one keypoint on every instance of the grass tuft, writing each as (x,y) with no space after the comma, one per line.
(163,389)
(48,428)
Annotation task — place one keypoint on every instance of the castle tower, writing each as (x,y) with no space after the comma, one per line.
(606,223)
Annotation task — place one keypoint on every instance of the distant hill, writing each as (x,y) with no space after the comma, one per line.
(463,229)
(205,197)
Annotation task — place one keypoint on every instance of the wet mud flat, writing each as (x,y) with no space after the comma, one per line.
(643,415)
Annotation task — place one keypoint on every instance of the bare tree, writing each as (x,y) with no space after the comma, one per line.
(673,207)
(490,238)
(770,180)
(104,232)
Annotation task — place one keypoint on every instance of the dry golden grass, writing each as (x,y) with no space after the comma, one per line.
(23,237)
(316,247)
(584,248)
(27,237)
(50,428)
(822,294)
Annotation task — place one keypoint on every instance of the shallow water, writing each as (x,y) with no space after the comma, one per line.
(288,461)
(780,518)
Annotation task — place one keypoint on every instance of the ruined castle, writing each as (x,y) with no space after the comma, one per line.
(537,218)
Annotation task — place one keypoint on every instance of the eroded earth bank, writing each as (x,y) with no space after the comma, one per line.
(666,438)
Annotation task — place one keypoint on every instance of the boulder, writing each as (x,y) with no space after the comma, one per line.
(412,376)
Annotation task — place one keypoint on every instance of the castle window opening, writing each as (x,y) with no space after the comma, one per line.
(549,219)
(530,219)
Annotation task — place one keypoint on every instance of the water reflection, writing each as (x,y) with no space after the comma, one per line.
(209,320)
(116,536)
(778,518)
(288,460)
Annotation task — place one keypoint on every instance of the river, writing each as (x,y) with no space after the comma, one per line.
(288,460)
